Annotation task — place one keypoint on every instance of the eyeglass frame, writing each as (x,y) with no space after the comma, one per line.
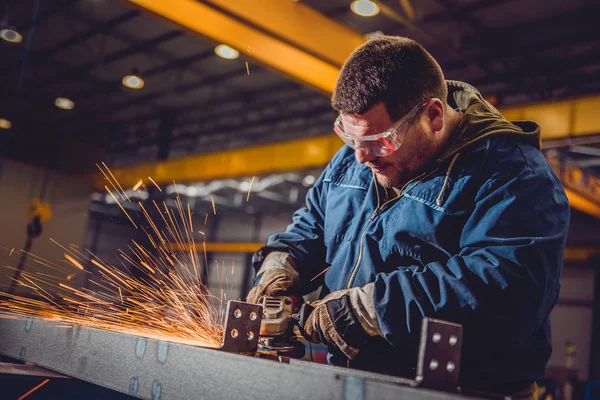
(383,136)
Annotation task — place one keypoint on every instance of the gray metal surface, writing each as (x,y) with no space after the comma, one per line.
(154,369)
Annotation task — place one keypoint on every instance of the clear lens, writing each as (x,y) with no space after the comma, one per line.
(378,145)
(383,143)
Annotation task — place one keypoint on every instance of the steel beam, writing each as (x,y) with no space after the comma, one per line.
(297,24)
(257,160)
(263,47)
(159,370)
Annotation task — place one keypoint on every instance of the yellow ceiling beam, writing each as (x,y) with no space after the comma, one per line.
(560,119)
(256,160)
(582,203)
(298,24)
(580,254)
(272,48)
(217,247)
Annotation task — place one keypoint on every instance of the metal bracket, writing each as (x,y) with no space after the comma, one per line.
(242,327)
(438,364)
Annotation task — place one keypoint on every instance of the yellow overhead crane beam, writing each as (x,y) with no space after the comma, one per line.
(287,36)
(255,160)
(560,119)
(298,24)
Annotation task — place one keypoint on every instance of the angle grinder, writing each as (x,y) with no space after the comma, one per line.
(277,335)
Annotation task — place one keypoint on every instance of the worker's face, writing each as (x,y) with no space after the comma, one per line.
(419,145)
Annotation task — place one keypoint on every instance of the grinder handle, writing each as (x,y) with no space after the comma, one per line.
(300,318)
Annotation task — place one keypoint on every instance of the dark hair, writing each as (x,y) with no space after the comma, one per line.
(395,70)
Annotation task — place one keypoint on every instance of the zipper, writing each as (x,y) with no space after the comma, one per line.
(377,211)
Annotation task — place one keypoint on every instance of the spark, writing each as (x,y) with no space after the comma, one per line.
(249,188)
(120,206)
(110,181)
(121,295)
(213,204)
(137,185)
(115,181)
(11,251)
(73,261)
(232,267)
(247,68)
(205,218)
(34,389)
(202,233)
(320,273)
(155,184)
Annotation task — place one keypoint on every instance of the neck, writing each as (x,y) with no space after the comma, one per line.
(453,118)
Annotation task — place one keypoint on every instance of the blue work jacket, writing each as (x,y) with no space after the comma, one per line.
(477,239)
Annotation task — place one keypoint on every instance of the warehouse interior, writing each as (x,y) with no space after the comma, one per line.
(222,108)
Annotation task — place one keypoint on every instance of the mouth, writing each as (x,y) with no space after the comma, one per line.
(379,168)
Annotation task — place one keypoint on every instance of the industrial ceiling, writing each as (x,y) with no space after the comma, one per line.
(194,102)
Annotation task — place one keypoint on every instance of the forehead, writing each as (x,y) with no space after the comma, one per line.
(375,120)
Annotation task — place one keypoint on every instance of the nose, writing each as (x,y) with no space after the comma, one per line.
(363,156)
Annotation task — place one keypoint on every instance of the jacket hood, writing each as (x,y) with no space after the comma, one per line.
(480,120)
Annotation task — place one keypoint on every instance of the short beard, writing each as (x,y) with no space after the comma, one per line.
(394,182)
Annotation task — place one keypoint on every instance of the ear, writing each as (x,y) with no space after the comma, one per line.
(435,114)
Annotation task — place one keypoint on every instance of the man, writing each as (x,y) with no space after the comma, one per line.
(437,206)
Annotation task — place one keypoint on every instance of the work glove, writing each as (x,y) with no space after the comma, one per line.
(345,319)
(277,276)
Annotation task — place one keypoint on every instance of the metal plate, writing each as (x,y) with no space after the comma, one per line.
(439,354)
(242,326)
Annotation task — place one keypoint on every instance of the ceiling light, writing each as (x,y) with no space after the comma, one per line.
(5,124)
(132,81)
(11,35)
(364,8)
(227,52)
(64,103)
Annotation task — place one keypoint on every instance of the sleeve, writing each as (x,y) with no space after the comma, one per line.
(506,275)
(303,238)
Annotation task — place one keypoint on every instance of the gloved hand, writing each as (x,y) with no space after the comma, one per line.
(345,319)
(277,276)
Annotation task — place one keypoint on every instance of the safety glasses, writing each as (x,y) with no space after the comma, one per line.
(380,144)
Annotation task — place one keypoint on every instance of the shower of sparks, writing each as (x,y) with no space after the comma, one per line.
(155,184)
(168,302)
(137,185)
(247,68)
(250,188)
(34,389)
(213,204)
